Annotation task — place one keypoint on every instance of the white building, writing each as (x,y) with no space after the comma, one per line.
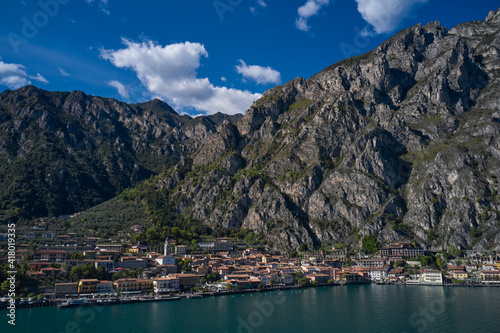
(431,277)
(166,258)
(165,284)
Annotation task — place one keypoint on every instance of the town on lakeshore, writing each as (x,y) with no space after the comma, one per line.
(109,271)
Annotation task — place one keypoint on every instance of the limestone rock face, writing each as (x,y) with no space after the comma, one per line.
(401,142)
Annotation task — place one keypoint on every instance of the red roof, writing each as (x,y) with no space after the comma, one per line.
(51,251)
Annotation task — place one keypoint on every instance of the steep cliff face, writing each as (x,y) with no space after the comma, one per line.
(401,142)
(64,152)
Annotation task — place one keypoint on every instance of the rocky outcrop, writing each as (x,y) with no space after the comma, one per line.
(401,142)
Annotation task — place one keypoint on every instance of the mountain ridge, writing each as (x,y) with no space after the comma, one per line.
(97,147)
(401,143)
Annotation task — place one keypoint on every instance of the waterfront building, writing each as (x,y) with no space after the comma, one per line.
(165,284)
(187,280)
(87,286)
(141,285)
(320,278)
(105,287)
(287,279)
(431,277)
(459,274)
(350,277)
(63,289)
(490,276)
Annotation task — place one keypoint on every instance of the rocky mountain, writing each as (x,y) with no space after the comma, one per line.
(401,143)
(63,152)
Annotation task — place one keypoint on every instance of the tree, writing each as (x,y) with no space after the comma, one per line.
(431,235)
(213,277)
(475,232)
(370,244)
(400,263)
(304,281)
(77,256)
(303,247)
(271,282)
(348,262)
(260,286)
(185,265)
(441,263)
(429,261)
(5,286)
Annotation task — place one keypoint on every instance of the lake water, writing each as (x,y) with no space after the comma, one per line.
(367,308)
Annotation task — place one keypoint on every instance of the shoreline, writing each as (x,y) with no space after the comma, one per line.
(176,297)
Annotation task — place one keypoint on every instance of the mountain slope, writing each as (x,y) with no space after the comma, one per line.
(401,142)
(63,152)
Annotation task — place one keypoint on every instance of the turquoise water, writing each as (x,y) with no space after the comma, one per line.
(368,308)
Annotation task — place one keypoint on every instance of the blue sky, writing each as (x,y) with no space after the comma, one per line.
(199,56)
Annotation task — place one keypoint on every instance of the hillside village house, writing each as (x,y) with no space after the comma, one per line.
(109,247)
(399,251)
(109,265)
(180,250)
(50,255)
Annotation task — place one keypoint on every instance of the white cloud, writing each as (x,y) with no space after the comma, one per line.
(310,8)
(261,75)
(15,76)
(103,5)
(62,71)
(223,79)
(170,72)
(39,78)
(259,4)
(386,15)
(122,90)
